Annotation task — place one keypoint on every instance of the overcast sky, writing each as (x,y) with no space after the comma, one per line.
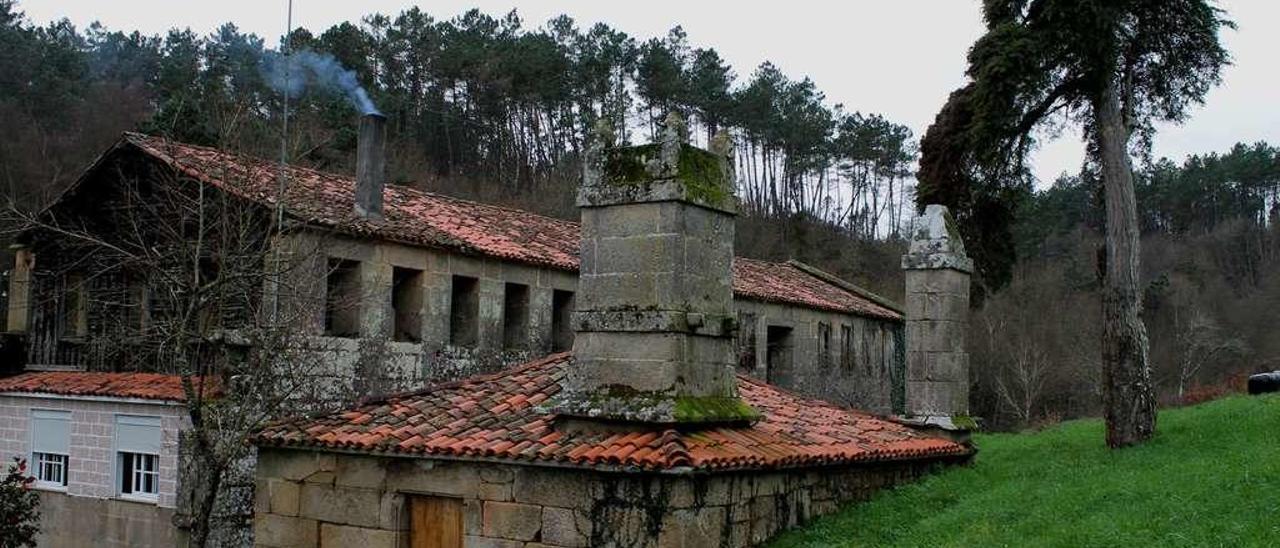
(896,57)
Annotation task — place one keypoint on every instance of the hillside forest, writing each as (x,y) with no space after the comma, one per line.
(491,108)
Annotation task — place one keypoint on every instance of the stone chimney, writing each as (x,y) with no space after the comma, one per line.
(655,321)
(937,304)
(371,165)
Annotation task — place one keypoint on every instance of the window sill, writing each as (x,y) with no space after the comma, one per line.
(141,499)
(50,487)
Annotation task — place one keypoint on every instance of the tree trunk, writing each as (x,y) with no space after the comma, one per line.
(1128,398)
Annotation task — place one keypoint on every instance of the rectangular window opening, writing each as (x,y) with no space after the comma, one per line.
(779,346)
(515,317)
(747,342)
(464,311)
(75,306)
(824,343)
(50,447)
(406,304)
(138,456)
(846,347)
(342,299)
(561,320)
(50,468)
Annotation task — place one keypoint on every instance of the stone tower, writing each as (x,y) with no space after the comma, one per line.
(655,321)
(937,305)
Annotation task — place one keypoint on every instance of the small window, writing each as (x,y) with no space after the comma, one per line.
(406,303)
(140,475)
(847,358)
(50,447)
(75,306)
(51,469)
(778,359)
(747,342)
(464,311)
(209,316)
(138,456)
(561,317)
(824,343)
(342,299)
(139,308)
(515,317)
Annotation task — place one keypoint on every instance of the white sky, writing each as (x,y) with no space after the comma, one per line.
(900,58)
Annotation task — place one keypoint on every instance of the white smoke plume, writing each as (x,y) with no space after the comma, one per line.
(294,72)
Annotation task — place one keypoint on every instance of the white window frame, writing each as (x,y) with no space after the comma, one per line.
(59,461)
(137,474)
(37,456)
(138,460)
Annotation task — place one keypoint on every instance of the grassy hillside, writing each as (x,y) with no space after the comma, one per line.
(1210,478)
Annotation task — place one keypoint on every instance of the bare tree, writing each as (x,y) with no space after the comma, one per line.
(183,278)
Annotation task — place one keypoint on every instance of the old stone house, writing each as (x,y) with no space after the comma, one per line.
(442,288)
(452,286)
(644,435)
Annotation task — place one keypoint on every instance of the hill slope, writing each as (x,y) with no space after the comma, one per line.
(1210,478)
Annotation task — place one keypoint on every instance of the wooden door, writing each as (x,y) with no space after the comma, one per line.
(435,522)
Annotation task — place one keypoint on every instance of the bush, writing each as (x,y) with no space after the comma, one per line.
(19,507)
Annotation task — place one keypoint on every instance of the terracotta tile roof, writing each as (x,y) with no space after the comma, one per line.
(498,417)
(421,218)
(786,283)
(145,386)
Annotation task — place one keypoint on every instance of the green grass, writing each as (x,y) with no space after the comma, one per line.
(1211,477)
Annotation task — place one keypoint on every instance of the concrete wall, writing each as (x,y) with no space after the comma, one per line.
(309,498)
(868,374)
(88,512)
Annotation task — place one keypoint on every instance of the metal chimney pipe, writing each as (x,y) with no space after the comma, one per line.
(371,165)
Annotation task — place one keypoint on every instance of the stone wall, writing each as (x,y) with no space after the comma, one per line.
(307,498)
(867,374)
(375,362)
(87,513)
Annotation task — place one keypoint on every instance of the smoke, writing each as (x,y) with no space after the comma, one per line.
(292,73)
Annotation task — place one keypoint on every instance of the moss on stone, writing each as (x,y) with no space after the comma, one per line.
(701,172)
(703,175)
(713,409)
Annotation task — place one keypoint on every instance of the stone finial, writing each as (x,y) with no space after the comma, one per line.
(936,242)
(937,308)
(593,158)
(722,146)
(670,140)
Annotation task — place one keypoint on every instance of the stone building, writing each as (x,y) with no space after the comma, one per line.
(448,287)
(395,289)
(644,435)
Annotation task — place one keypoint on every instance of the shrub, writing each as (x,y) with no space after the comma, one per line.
(19,507)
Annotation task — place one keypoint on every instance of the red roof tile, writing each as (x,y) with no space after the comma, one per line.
(794,431)
(146,386)
(421,218)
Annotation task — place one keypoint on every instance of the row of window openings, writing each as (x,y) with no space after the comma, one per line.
(778,345)
(343,297)
(137,472)
(73,311)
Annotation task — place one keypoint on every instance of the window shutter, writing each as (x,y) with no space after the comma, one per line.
(51,431)
(138,434)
